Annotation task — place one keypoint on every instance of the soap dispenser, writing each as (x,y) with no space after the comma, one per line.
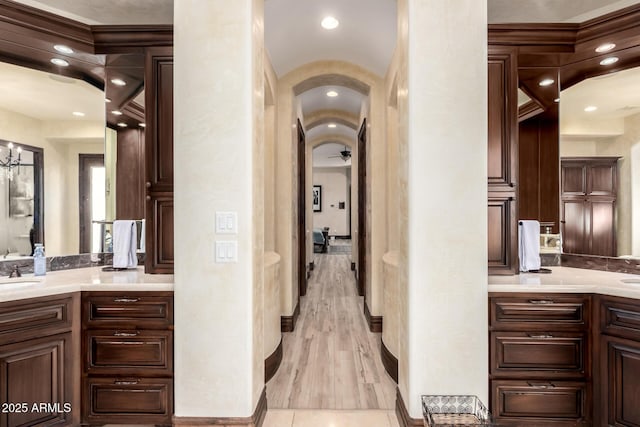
(39,261)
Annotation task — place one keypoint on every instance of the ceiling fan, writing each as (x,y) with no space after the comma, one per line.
(344,154)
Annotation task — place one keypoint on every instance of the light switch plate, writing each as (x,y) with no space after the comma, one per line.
(226,251)
(226,222)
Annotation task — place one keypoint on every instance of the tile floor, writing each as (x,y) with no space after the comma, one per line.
(330,418)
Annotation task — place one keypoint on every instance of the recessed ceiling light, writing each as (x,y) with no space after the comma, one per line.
(78,113)
(142,125)
(329,23)
(118,82)
(546,82)
(116,113)
(122,124)
(605,47)
(107,100)
(590,108)
(59,62)
(63,49)
(610,60)
(332,94)
(332,125)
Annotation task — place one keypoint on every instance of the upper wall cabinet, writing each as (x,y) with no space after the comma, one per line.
(502,160)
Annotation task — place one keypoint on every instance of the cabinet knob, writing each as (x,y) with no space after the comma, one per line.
(148,198)
(148,184)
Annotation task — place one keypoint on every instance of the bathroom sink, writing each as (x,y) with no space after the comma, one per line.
(6,284)
(633,281)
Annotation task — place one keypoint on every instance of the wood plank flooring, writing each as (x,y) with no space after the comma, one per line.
(331,360)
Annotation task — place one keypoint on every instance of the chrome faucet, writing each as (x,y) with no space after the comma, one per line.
(15,272)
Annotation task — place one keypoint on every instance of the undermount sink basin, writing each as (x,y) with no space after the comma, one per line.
(17,283)
(632,281)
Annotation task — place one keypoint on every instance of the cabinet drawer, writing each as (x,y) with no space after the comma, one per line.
(129,352)
(119,310)
(20,320)
(535,311)
(128,400)
(539,402)
(539,354)
(620,317)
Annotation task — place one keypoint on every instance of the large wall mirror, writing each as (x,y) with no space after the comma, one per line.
(600,165)
(61,120)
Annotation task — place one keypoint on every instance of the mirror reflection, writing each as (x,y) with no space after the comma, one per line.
(600,165)
(62,122)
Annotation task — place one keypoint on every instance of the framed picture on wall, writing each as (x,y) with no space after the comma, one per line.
(317,198)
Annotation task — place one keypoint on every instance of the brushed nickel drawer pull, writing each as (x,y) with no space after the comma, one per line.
(541,336)
(126,300)
(541,301)
(126,382)
(540,386)
(126,334)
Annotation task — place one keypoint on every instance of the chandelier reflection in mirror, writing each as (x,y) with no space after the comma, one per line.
(8,161)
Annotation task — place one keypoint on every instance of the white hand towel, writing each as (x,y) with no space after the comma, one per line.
(124,244)
(529,245)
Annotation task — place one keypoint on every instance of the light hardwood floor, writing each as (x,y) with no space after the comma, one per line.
(331,360)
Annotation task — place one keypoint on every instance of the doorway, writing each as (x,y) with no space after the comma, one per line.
(92,202)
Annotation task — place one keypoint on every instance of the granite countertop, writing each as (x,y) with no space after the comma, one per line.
(82,279)
(569,280)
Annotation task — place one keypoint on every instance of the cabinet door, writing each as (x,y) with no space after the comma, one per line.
(37,372)
(502,235)
(573,181)
(620,368)
(602,236)
(574,227)
(602,179)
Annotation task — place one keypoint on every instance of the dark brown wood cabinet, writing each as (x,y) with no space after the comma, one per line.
(502,160)
(540,359)
(159,159)
(588,205)
(619,362)
(37,362)
(127,349)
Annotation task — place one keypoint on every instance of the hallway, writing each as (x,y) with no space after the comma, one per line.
(331,360)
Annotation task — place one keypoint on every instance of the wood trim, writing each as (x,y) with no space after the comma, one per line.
(288,323)
(272,363)
(402,413)
(389,361)
(39,24)
(254,420)
(611,23)
(375,322)
(554,37)
(130,38)
(528,110)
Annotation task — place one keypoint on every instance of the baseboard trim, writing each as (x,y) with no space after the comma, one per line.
(389,361)
(272,363)
(402,413)
(288,323)
(254,420)
(375,322)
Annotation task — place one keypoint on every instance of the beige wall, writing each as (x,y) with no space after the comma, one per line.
(445,305)
(334,182)
(219,135)
(61,143)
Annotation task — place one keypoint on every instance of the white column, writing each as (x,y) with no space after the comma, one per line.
(218,133)
(444,236)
